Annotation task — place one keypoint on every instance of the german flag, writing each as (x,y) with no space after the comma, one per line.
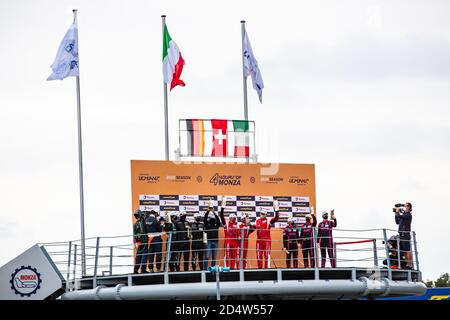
(196,138)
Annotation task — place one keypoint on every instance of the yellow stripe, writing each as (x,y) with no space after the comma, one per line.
(202,137)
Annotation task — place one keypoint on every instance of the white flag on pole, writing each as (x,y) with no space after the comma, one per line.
(66,61)
(251,67)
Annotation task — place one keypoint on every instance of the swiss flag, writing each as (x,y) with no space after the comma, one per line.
(220,136)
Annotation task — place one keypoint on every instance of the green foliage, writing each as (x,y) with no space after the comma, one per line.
(442,282)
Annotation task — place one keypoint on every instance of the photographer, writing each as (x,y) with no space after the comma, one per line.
(403,218)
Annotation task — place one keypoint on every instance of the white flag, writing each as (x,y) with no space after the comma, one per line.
(66,61)
(251,67)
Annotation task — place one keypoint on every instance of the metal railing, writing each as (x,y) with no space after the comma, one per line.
(115,255)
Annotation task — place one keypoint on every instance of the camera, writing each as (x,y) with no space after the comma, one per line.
(399,205)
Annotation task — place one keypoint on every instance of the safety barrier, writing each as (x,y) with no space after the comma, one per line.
(116,255)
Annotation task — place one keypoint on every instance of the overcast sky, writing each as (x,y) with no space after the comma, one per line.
(360,88)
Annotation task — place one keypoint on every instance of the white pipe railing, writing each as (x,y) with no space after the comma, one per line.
(114,255)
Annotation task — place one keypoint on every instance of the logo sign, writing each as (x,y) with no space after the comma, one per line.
(153,197)
(149,208)
(32,275)
(245,203)
(168,202)
(189,197)
(264,198)
(178,178)
(300,209)
(225,180)
(25,281)
(300,199)
(272,179)
(148,178)
(299,181)
(189,208)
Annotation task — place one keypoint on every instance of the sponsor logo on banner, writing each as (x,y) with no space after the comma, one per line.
(252,179)
(285,203)
(149,202)
(178,178)
(148,178)
(285,209)
(268,209)
(245,198)
(245,203)
(225,180)
(300,204)
(199,179)
(300,199)
(246,209)
(272,179)
(264,198)
(205,203)
(170,208)
(230,198)
(188,197)
(148,197)
(207,197)
(25,281)
(168,197)
(188,203)
(300,209)
(189,208)
(282,198)
(149,208)
(231,203)
(231,209)
(299,180)
(298,214)
(264,203)
(168,202)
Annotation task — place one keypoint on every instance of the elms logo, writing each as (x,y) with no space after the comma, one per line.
(148,178)
(25,281)
(299,180)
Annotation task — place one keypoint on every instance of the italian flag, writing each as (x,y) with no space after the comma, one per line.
(172,61)
(241,138)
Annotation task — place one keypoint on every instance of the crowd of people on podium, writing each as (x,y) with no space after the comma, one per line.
(197,242)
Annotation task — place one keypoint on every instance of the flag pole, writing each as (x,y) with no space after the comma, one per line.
(166,108)
(244,78)
(80,167)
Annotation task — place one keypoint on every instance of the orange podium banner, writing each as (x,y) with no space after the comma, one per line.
(188,186)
